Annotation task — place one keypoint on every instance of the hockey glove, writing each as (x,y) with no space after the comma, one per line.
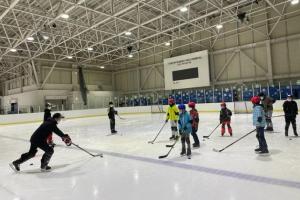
(259,119)
(166,121)
(67,140)
(180,132)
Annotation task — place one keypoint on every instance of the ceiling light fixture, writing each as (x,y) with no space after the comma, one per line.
(13,50)
(69,57)
(45,37)
(130,56)
(183,9)
(294,2)
(102,67)
(128,33)
(219,26)
(167,44)
(64,16)
(30,38)
(90,49)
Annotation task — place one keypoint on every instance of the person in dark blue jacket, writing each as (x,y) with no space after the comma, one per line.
(111,112)
(185,129)
(290,109)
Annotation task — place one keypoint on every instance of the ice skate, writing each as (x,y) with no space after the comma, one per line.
(263,152)
(15,166)
(46,169)
(196,145)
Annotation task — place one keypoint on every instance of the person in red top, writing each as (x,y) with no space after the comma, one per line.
(195,120)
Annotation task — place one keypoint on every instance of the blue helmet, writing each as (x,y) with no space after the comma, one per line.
(181,107)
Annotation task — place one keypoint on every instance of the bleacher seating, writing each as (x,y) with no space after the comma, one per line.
(210,95)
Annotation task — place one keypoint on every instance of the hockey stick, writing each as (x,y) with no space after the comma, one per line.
(94,155)
(216,150)
(158,133)
(164,156)
(172,145)
(207,136)
(278,116)
(121,117)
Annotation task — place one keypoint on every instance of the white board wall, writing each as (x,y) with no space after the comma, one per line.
(194,60)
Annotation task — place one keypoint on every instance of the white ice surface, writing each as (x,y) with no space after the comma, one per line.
(131,169)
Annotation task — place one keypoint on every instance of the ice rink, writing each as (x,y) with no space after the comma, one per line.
(130,168)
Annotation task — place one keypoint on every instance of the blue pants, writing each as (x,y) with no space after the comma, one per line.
(260,135)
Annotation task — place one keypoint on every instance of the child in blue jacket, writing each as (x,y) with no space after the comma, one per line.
(259,121)
(185,129)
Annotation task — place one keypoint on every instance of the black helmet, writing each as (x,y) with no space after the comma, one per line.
(48,104)
(111,103)
(57,116)
(261,94)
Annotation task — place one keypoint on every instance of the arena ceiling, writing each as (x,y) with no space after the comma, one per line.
(117,33)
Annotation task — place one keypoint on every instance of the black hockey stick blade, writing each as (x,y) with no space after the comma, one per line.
(164,156)
(207,136)
(100,155)
(216,150)
(151,142)
(170,145)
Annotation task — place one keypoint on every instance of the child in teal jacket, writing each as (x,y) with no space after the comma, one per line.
(185,129)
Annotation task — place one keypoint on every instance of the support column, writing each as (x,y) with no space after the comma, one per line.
(269,62)
(75,84)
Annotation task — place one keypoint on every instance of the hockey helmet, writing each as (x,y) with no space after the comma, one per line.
(181,107)
(171,101)
(255,100)
(192,104)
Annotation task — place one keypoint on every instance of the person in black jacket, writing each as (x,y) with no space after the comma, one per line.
(225,118)
(47,111)
(47,115)
(290,109)
(39,140)
(111,115)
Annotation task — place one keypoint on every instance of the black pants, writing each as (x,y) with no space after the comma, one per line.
(185,138)
(195,136)
(260,135)
(33,150)
(288,121)
(112,124)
